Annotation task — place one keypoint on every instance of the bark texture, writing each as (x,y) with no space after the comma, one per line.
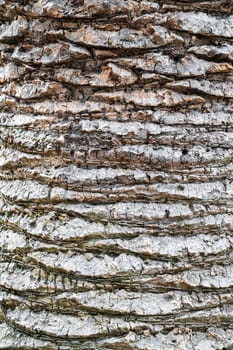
(116,212)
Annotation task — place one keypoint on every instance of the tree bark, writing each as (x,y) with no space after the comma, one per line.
(116,175)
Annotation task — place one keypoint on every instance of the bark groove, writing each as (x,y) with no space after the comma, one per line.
(116,189)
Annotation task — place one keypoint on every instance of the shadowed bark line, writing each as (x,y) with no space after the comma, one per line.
(116,175)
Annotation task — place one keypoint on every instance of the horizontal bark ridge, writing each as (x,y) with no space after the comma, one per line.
(116,189)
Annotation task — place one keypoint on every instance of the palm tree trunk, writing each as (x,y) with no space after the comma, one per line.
(116,175)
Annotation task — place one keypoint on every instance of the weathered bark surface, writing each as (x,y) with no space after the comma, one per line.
(116,189)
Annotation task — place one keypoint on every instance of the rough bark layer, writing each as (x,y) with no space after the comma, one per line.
(115,185)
